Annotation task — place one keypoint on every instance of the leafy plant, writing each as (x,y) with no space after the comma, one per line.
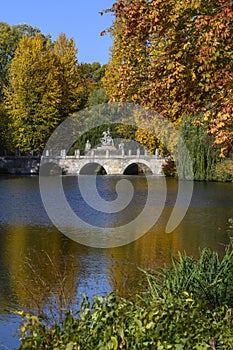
(224,170)
(208,280)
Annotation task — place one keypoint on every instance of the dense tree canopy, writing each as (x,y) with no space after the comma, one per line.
(68,76)
(91,75)
(25,29)
(33,94)
(10,37)
(43,89)
(8,43)
(41,84)
(176,58)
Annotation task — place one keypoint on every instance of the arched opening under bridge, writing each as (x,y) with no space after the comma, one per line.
(137,169)
(93,169)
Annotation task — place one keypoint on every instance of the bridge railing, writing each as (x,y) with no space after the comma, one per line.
(103,153)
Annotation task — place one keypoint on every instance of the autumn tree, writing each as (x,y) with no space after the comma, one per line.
(43,89)
(10,37)
(69,78)
(5,136)
(175,58)
(93,92)
(33,94)
(8,45)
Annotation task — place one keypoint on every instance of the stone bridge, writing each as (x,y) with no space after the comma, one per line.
(19,165)
(104,162)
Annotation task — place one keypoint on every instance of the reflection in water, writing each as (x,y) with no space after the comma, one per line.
(41,274)
(37,262)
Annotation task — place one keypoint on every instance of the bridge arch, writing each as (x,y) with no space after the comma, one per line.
(93,168)
(136,166)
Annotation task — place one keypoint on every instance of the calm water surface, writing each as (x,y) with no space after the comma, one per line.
(37,261)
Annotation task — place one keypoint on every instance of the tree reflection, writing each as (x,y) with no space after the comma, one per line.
(44,280)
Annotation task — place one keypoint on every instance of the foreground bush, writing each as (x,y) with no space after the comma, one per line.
(186,307)
(224,170)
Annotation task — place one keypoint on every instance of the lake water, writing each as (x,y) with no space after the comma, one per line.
(40,268)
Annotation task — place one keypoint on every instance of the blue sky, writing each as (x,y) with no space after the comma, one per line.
(79,19)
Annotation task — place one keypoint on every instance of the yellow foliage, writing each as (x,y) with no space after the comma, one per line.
(43,89)
(147,139)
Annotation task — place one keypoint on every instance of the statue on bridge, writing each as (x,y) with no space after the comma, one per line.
(107,139)
(87,146)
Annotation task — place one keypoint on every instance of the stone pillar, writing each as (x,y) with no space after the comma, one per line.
(138,152)
(107,153)
(77,153)
(63,153)
(47,153)
(130,152)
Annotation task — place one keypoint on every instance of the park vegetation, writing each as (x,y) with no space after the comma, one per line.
(175,58)
(186,306)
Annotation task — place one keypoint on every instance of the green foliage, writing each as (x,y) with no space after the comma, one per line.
(91,75)
(94,135)
(224,170)
(203,155)
(208,280)
(96,97)
(185,307)
(5,143)
(94,71)
(116,324)
(25,29)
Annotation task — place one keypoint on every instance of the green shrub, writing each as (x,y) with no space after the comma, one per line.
(209,280)
(224,170)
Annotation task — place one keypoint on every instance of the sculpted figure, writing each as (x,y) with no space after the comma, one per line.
(107,139)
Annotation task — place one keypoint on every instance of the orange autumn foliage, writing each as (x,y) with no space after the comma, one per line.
(175,57)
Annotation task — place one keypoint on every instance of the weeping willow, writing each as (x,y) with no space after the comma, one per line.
(201,151)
